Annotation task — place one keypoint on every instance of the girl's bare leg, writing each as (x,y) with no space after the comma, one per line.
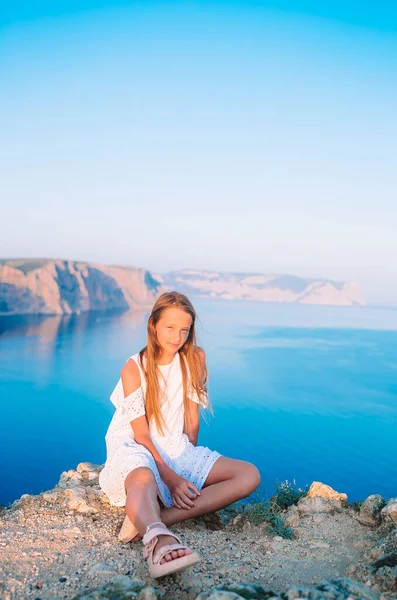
(143,509)
(228,481)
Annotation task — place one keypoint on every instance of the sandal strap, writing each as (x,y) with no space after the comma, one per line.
(167,550)
(148,548)
(155,532)
(150,539)
(154,523)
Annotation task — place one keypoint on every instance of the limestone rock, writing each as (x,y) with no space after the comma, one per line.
(50,496)
(389,513)
(213,521)
(311,506)
(87,467)
(384,578)
(336,589)
(370,511)
(385,546)
(318,489)
(148,593)
(292,516)
(321,498)
(238,523)
(69,479)
(79,490)
(79,500)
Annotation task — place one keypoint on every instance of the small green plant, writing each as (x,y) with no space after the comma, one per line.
(286,494)
(270,510)
(355,505)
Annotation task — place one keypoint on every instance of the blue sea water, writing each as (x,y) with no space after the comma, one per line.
(307,393)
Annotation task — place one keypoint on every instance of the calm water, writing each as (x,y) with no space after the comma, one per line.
(304,392)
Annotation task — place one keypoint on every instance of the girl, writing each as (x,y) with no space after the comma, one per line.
(154,467)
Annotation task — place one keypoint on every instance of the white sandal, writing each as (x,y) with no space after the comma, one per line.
(128,531)
(156,569)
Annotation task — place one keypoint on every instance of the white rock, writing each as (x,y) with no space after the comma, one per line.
(87,467)
(308,506)
(69,479)
(389,512)
(25,497)
(148,593)
(78,500)
(318,489)
(370,511)
(51,497)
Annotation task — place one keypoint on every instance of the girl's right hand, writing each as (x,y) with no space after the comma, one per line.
(183,492)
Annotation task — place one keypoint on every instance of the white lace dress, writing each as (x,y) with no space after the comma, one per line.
(124,454)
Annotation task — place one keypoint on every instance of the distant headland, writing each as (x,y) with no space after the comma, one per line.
(56,287)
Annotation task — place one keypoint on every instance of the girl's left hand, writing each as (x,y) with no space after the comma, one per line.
(183,492)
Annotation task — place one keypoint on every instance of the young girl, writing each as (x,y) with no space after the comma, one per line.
(154,467)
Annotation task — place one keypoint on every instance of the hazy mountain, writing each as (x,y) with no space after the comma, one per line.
(263,288)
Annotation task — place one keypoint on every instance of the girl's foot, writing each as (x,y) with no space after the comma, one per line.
(169,539)
(162,554)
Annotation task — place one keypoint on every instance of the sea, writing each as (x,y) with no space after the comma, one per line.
(306,393)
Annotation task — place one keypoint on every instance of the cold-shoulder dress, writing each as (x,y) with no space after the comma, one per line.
(124,454)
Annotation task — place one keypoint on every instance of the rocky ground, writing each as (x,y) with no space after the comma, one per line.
(63,544)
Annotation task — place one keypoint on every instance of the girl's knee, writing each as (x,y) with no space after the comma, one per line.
(255,475)
(250,479)
(139,476)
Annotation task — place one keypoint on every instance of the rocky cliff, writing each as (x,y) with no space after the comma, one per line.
(263,288)
(63,544)
(66,287)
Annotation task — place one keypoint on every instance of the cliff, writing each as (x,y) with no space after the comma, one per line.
(63,544)
(263,288)
(66,286)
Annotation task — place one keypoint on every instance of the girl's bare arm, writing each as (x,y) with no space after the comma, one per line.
(183,492)
(192,430)
(131,381)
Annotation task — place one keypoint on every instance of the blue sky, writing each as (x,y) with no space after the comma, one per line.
(239,136)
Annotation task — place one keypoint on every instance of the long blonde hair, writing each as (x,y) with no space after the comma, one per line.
(189,355)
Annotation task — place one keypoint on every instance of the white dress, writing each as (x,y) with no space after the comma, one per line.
(124,454)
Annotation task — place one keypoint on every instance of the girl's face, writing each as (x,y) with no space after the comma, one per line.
(173,329)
